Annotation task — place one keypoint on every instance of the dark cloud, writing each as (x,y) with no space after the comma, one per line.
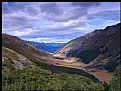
(105,15)
(32,11)
(5,8)
(55,13)
(10,3)
(51,8)
(19,6)
(14,21)
(13,7)
(85,5)
(69,15)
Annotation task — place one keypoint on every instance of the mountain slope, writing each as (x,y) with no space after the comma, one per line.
(20,46)
(12,60)
(99,49)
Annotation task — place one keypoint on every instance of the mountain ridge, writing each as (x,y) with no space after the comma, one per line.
(96,45)
(20,46)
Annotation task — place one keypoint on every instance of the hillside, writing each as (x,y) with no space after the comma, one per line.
(20,46)
(99,49)
(12,61)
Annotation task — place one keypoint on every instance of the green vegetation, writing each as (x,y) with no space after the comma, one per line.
(7,63)
(115,84)
(7,66)
(48,77)
(59,69)
(9,54)
(39,79)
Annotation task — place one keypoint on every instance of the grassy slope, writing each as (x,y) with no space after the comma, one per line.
(44,76)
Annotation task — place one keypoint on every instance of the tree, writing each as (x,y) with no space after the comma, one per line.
(116,80)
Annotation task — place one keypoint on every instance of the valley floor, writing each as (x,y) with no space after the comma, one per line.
(102,75)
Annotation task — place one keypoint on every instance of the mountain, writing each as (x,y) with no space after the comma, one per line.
(47,47)
(24,68)
(20,46)
(99,49)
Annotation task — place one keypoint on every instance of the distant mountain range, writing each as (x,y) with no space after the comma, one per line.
(47,47)
(99,49)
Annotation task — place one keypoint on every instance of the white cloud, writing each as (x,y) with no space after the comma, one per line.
(59,23)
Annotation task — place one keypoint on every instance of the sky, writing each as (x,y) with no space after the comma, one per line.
(57,22)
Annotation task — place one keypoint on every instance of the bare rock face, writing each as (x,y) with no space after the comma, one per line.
(101,45)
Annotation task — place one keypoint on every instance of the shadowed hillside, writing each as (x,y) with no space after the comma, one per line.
(99,49)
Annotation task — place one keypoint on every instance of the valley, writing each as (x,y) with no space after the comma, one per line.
(97,53)
(61,46)
(91,59)
(102,75)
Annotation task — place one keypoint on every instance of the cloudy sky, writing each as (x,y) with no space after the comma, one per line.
(57,21)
